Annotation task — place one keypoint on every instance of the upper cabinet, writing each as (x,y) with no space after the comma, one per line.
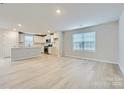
(48,36)
(21,38)
(38,39)
(52,38)
(56,35)
(43,40)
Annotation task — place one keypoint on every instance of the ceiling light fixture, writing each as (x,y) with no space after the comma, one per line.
(19,25)
(58,11)
(48,31)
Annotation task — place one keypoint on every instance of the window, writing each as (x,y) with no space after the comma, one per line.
(78,41)
(84,41)
(28,40)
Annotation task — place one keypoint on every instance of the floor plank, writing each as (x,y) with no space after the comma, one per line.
(48,72)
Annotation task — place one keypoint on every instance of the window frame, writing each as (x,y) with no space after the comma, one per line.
(83,48)
(28,41)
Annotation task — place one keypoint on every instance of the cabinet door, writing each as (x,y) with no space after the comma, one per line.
(48,36)
(52,38)
(43,39)
(37,39)
(21,38)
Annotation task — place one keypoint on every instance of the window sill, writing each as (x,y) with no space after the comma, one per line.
(84,50)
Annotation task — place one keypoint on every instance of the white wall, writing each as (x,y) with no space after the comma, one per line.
(8,39)
(106,43)
(121,42)
(60,44)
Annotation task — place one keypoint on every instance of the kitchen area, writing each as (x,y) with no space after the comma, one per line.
(33,45)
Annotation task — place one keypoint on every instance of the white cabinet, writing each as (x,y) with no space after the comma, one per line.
(37,39)
(50,50)
(47,36)
(52,38)
(43,40)
(21,38)
(55,35)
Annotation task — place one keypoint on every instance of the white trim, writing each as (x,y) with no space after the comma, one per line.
(84,58)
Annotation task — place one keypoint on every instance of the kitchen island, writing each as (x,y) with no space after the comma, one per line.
(24,53)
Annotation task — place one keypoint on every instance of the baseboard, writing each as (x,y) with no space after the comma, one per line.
(91,59)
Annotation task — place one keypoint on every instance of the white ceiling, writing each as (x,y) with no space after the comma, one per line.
(42,17)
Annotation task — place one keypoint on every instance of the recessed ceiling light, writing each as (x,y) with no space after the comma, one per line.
(58,11)
(48,31)
(19,25)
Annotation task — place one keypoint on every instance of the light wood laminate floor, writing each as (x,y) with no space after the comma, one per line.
(59,72)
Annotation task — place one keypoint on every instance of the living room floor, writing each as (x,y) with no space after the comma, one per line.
(59,72)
